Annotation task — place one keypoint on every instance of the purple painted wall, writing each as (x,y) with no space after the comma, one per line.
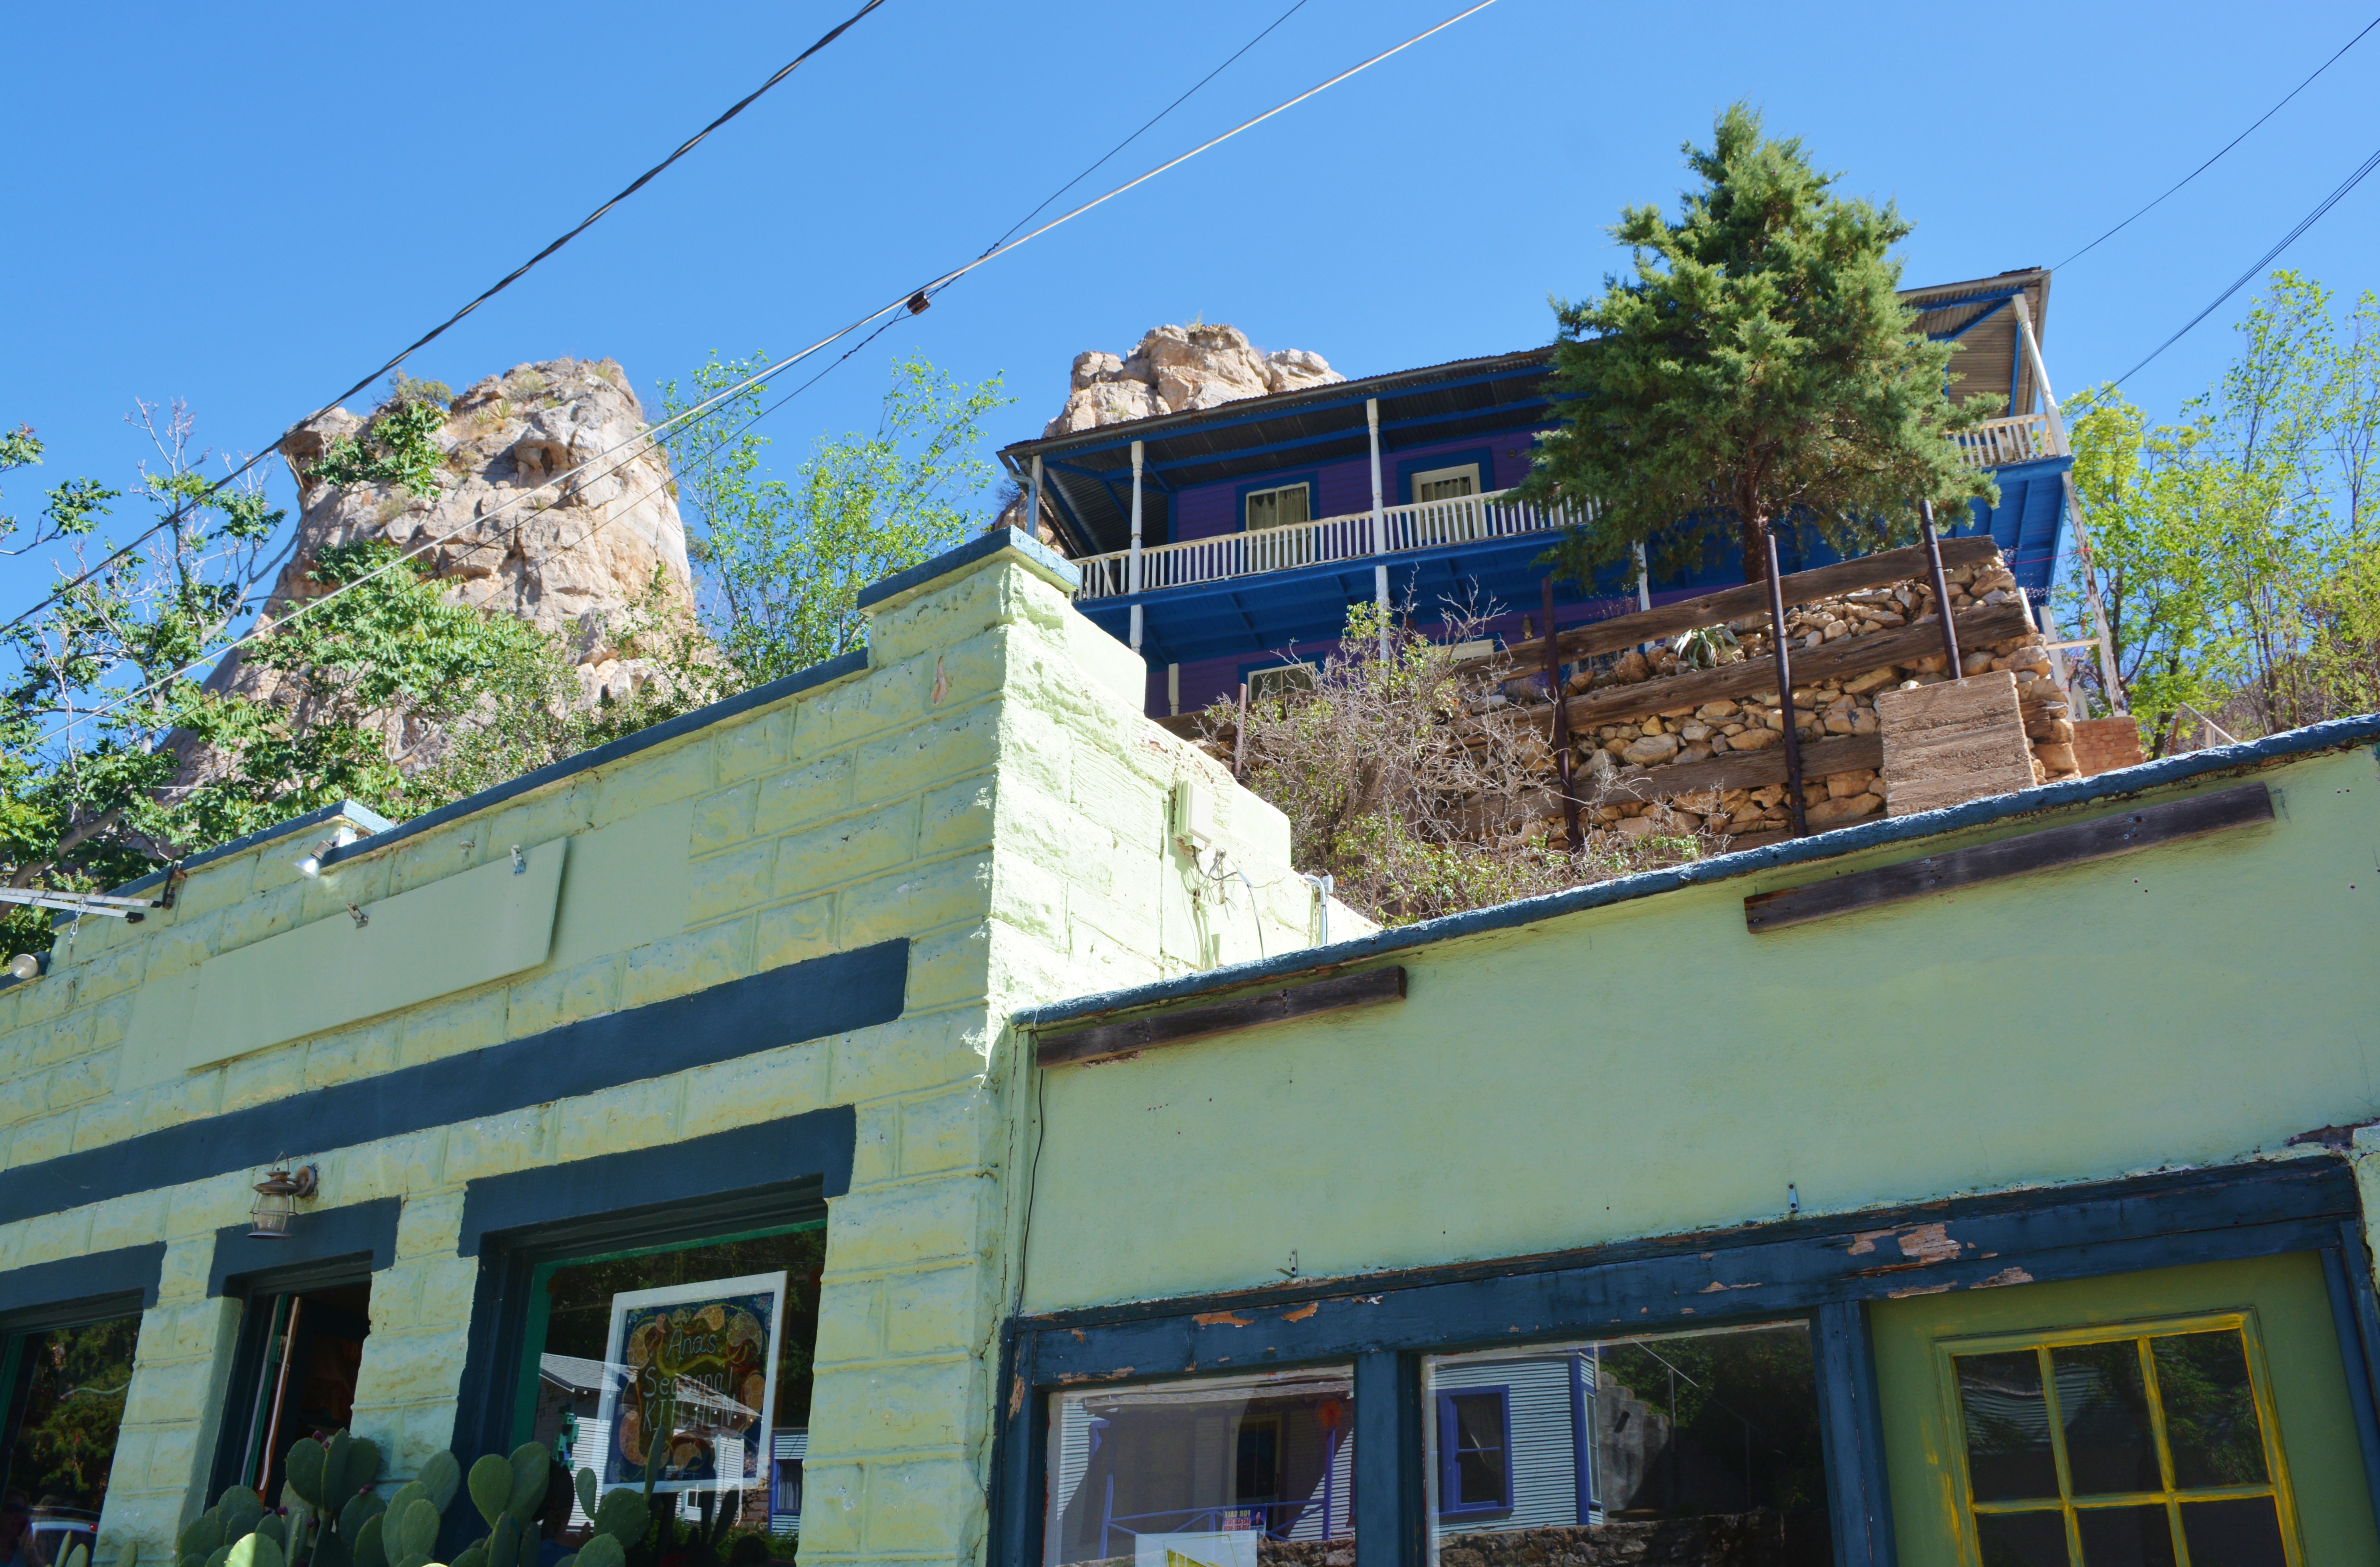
(1345,488)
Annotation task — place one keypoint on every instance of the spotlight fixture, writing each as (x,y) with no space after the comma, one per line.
(311,865)
(25,965)
(276,1200)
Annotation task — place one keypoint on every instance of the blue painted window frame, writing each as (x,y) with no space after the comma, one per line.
(1408,466)
(1450,1453)
(1310,477)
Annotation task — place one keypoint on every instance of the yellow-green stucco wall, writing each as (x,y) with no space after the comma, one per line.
(985,788)
(1652,1068)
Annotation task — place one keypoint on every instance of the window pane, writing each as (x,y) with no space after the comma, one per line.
(1688,1448)
(2105,1409)
(2210,1412)
(1203,1471)
(1293,504)
(671,1357)
(2023,1540)
(2008,1455)
(65,1408)
(2126,1536)
(2245,1532)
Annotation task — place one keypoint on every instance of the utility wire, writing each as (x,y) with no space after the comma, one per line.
(2210,162)
(1152,120)
(499,286)
(2263,262)
(913,302)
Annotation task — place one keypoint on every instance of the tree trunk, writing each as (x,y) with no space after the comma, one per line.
(1754,540)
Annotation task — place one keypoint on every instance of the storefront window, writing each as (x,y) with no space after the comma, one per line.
(1229,1472)
(306,1351)
(691,1361)
(2125,1446)
(1685,1447)
(66,1388)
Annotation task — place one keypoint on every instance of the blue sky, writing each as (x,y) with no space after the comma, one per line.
(248,210)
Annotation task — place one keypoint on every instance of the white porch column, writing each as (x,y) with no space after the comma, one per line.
(2110,682)
(1380,523)
(1643,582)
(1133,577)
(1033,515)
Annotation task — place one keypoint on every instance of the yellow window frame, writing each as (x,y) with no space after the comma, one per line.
(2260,1385)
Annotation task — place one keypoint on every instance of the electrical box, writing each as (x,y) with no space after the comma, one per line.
(1194,816)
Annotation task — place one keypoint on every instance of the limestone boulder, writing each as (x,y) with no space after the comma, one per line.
(1178,370)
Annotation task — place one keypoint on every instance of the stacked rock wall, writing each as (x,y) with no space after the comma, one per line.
(1626,767)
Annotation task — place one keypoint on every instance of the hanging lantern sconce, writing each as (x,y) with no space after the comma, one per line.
(276,1200)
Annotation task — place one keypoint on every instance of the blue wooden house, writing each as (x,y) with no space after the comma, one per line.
(1230,542)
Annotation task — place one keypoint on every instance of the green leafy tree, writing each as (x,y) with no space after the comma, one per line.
(781,562)
(2234,547)
(1756,370)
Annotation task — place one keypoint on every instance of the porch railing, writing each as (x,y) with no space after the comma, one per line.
(1994,443)
(2023,438)
(1324,539)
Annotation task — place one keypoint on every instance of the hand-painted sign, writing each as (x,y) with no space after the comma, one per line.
(695,1380)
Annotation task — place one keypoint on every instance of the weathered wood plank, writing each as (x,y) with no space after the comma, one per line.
(1105,1041)
(2122,833)
(1848,655)
(1734,603)
(1745,770)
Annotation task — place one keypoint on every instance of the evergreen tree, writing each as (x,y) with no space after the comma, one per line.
(1757,370)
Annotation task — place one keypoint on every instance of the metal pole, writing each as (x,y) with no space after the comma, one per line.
(1240,737)
(1033,516)
(1942,591)
(1133,569)
(1379,524)
(1785,688)
(1562,723)
(2110,680)
(280,1392)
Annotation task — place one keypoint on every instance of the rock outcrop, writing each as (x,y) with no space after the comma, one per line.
(581,556)
(1178,368)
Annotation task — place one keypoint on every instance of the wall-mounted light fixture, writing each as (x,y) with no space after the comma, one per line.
(25,965)
(311,865)
(276,1200)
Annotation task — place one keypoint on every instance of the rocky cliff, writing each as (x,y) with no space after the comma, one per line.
(1178,368)
(580,557)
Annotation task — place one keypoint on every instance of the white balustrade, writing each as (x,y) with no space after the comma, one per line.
(1997,443)
(1324,539)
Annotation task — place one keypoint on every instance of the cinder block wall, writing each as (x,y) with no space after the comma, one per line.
(985,788)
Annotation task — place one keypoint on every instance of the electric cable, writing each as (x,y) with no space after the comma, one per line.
(490,292)
(2210,162)
(914,302)
(2263,262)
(1152,120)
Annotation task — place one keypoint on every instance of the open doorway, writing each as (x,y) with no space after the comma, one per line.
(300,1352)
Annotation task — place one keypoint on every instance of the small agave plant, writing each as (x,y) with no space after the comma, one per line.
(1706,647)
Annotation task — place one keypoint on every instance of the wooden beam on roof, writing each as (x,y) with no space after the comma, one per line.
(1734,603)
(1111,1041)
(2144,828)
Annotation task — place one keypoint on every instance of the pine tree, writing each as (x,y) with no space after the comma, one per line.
(1759,370)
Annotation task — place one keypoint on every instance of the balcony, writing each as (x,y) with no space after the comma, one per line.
(1999,442)
(1428,525)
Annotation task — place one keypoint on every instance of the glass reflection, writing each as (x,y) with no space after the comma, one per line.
(2210,1410)
(2103,1403)
(2126,1536)
(2008,1456)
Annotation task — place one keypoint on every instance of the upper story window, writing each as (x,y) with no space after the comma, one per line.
(1280,507)
(1446,483)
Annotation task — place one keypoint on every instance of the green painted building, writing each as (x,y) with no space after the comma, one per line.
(916,1099)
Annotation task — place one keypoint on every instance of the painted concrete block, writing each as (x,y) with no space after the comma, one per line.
(42,1136)
(927,1052)
(949,968)
(916,900)
(636,1116)
(887,1408)
(448,1028)
(651,779)
(693,962)
(914,1222)
(812,792)
(390,1167)
(949,746)
(493,1145)
(772,1086)
(730,882)
(400,1366)
(723,819)
(959,1130)
(261,1078)
(922,1505)
(756,746)
(794,932)
(848,1329)
(936,1311)
(427,1226)
(834,1501)
(550,1000)
(846,850)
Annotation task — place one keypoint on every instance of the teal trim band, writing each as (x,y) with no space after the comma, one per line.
(967,554)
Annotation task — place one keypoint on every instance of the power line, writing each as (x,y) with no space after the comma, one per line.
(914,301)
(1152,119)
(490,292)
(2210,162)
(2263,262)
